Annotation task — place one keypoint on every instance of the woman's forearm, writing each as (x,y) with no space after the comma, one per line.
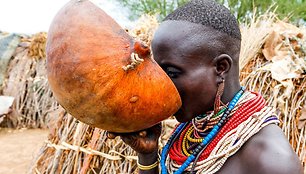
(147,160)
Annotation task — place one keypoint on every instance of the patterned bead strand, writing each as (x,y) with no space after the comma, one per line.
(212,134)
(167,146)
(178,154)
(239,116)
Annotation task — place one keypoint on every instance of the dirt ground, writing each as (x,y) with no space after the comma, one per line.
(18,148)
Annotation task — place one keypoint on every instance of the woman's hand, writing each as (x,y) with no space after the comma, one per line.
(143,142)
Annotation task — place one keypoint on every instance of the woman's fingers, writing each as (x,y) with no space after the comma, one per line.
(143,133)
(111,135)
(144,141)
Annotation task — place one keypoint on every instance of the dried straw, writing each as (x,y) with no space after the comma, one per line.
(145,28)
(27,83)
(38,44)
(74,147)
(254,35)
(277,71)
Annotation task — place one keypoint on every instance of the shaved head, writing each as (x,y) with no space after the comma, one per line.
(208,13)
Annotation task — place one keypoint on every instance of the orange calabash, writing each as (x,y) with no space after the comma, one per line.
(102,76)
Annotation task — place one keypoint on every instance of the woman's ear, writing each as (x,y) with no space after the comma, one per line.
(223,64)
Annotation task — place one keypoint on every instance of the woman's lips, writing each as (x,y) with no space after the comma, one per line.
(179,115)
(178,112)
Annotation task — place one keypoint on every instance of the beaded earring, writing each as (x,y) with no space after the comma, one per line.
(218,96)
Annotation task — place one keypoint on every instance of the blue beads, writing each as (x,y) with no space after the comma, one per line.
(167,146)
(184,165)
(190,159)
(209,136)
(205,141)
(214,131)
(216,128)
(180,170)
(235,100)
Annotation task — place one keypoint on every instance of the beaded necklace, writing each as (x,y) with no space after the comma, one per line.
(204,142)
(206,122)
(194,135)
(243,113)
(248,104)
(230,143)
(248,117)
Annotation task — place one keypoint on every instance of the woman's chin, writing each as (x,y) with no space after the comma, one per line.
(181,120)
(181,116)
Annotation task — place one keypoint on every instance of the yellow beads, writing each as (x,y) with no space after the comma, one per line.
(194,140)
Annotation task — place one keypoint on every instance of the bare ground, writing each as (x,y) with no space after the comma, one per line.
(18,148)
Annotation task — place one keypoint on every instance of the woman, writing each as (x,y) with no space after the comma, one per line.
(224,128)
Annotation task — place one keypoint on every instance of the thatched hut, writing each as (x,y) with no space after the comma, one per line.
(24,78)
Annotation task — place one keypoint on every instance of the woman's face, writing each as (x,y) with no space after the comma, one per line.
(186,51)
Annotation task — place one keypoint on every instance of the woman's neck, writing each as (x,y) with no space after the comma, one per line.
(230,90)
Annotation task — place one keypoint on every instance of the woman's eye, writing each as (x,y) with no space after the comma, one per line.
(172,72)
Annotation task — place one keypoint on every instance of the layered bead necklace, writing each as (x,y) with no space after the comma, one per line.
(201,143)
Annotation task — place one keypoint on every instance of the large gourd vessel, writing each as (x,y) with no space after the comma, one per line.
(102,76)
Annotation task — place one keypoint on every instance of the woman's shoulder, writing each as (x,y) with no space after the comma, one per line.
(269,152)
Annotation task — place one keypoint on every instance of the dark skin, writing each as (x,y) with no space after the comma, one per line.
(197,58)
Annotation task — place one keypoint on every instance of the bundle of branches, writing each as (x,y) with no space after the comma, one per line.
(273,62)
(27,83)
(74,147)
